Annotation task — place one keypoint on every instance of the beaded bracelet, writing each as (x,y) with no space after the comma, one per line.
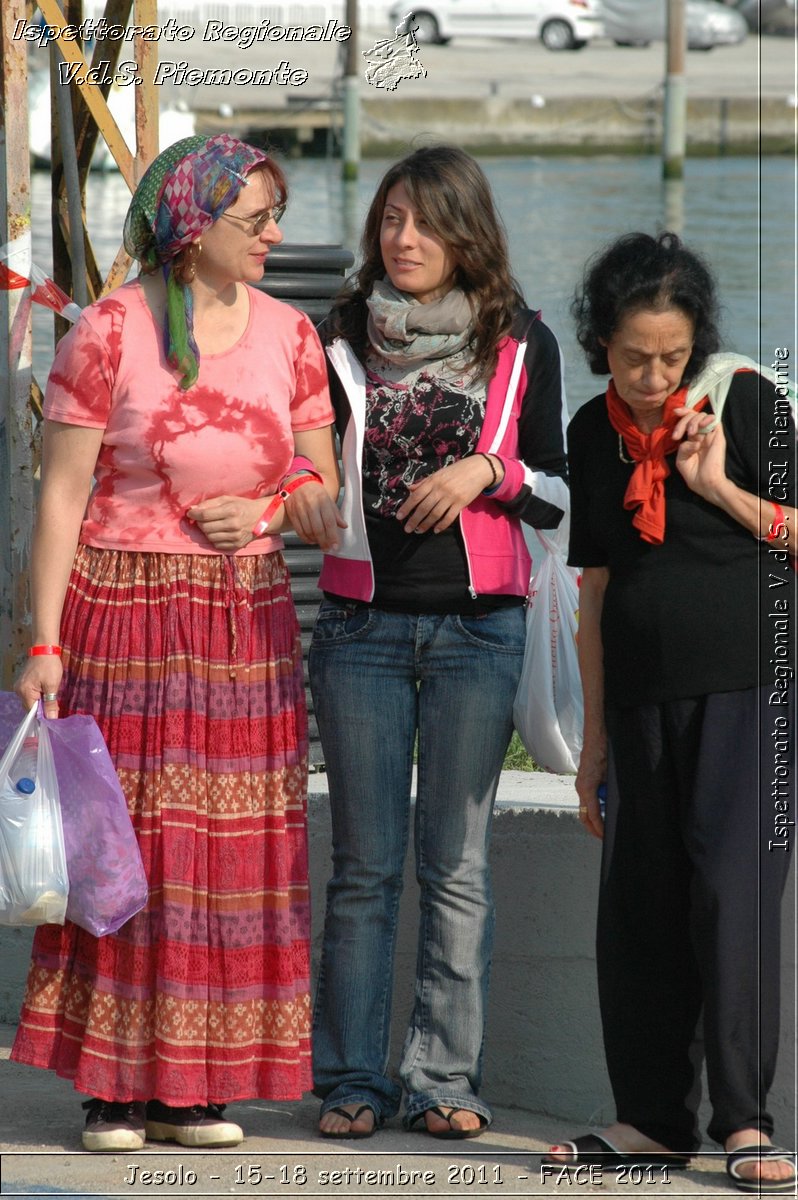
(495,480)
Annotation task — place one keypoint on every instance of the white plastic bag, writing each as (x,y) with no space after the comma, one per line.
(33,873)
(549,710)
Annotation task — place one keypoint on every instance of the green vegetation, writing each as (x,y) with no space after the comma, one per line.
(516,758)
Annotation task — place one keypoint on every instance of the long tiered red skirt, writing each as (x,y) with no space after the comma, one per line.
(192,666)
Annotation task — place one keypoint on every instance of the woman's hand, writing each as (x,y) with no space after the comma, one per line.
(701,460)
(314,515)
(227,521)
(435,502)
(591,774)
(40,676)
(701,457)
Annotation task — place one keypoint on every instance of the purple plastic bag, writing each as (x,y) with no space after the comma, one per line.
(107,884)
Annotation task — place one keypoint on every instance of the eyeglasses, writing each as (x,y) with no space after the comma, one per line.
(258,224)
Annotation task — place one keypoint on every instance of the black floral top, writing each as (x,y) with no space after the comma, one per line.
(414,426)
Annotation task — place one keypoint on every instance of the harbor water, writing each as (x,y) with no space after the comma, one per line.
(558,211)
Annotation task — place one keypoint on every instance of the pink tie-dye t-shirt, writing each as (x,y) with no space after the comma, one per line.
(163,449)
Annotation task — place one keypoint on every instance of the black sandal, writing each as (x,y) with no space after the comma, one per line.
(452,1133)
(755,1153)
(351,1118)
(595,1151)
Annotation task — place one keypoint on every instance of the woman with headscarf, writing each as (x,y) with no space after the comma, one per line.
(199,406)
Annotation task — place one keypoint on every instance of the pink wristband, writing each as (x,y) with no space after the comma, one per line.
(300,463)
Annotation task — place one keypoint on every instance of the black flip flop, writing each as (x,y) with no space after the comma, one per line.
(756,1153)
(351,1118)
(592,1150)
(452,1133)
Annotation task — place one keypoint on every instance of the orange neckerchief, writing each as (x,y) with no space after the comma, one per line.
(646,488)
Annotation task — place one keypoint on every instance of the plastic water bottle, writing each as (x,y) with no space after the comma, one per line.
(601,792)
(26,845)
(25,766)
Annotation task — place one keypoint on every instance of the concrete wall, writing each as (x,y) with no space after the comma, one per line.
(568,124)
(543,1051)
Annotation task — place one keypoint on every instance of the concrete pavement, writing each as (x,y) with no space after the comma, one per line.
(282,1156)
(476,68)
(490,96)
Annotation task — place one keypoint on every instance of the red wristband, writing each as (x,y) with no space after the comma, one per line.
(34,650)
(776,528)
(279,498)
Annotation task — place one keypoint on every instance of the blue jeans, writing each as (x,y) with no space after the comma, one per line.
(378,679)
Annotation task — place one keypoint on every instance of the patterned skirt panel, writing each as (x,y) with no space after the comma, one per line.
(192,666)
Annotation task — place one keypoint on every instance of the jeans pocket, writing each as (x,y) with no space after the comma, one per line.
(504,629)
(338,622)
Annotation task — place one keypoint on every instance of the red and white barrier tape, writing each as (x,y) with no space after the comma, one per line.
(43,290)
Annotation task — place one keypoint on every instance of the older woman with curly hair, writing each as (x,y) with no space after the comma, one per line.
(683,484)
(448,400)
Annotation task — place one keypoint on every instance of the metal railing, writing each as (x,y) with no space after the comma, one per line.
(307,277)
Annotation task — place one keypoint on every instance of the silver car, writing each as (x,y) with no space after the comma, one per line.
(560,24)
(768,16)
(638,22)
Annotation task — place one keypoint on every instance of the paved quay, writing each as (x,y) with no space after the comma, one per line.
(282,1156)
(547,1037)
(475,68)
(517,790)
(490,94)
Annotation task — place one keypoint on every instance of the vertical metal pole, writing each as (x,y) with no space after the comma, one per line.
(351,149)
(92,94)
(675,110)
(16,422)
(146,56)
(67,223)
(71,179)
(350,212)
(673,205)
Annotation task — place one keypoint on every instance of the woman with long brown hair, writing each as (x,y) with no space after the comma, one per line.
(448,401)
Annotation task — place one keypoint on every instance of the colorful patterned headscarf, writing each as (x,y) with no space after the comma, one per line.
(183,191)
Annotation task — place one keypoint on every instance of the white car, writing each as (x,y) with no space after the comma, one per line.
(560,24)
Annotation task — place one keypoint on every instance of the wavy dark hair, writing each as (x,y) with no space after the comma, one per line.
(451,192)
(640,273)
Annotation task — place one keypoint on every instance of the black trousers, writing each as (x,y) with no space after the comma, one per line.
(696,853)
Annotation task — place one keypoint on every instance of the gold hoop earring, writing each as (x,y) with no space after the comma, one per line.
(193,254)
